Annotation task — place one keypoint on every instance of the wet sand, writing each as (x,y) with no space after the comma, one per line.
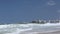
(56,32)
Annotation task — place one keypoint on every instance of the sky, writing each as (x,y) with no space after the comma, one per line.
(13,11)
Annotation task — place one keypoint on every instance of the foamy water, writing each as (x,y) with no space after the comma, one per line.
(18,28)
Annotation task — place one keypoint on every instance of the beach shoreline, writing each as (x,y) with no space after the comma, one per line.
(56,32)
(50,32)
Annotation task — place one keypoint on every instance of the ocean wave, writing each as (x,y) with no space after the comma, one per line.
(18,28)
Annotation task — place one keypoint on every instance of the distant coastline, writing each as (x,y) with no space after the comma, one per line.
(45,21)
(35,22)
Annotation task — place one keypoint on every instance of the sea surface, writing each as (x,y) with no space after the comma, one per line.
(19,28)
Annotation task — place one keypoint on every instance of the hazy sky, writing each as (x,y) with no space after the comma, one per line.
(27,10)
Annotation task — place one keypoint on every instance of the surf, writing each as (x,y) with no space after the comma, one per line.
(18,28)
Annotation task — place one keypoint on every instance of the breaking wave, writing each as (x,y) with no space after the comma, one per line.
(18,28)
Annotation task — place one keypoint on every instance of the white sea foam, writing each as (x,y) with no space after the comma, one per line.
(18,28)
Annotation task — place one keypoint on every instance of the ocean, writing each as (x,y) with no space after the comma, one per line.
(19,28)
